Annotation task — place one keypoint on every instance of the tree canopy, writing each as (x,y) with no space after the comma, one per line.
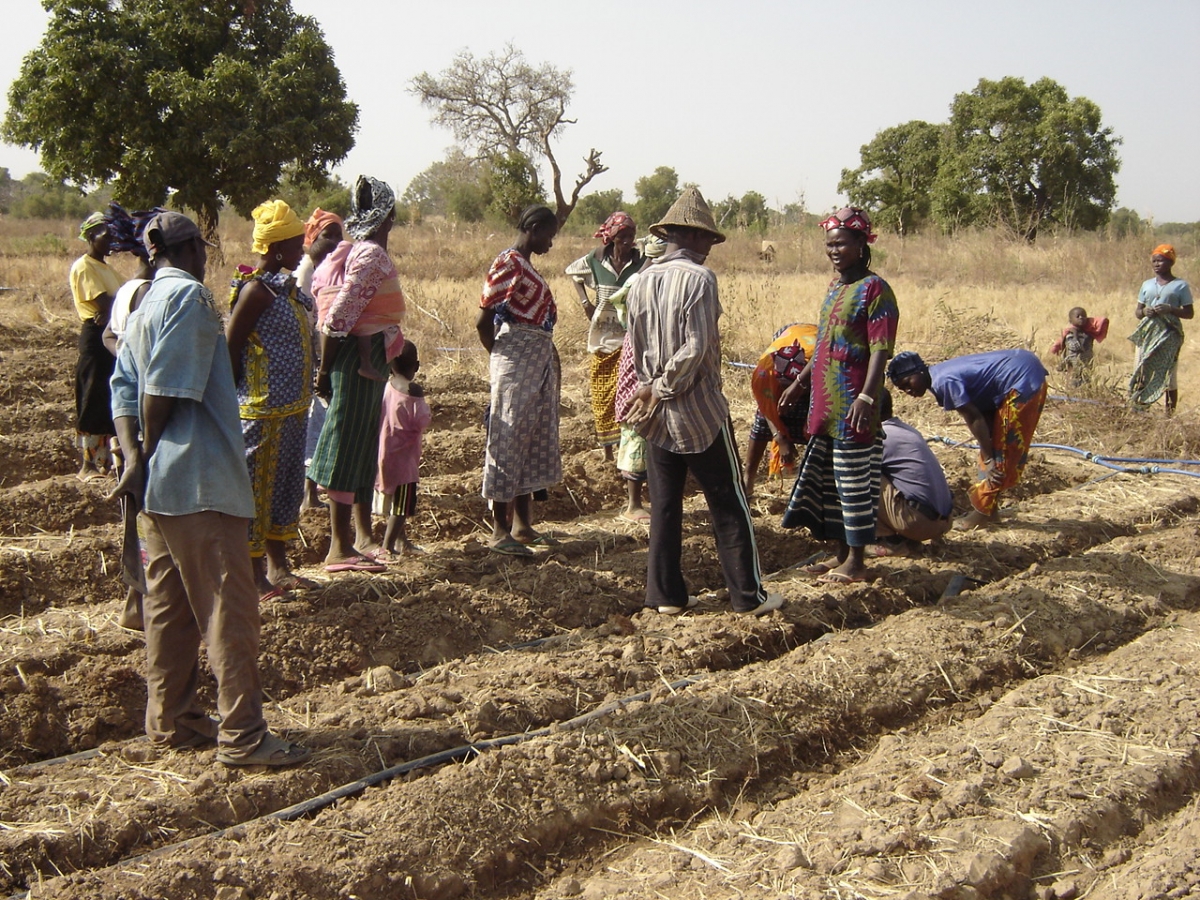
(896,176)
(208,98)
(500,106)
(1027,155)
(655,194)
(1017,155)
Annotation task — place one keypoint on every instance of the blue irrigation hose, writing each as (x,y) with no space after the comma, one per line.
(1108,462)
(1169,471)
(1147,459)
(1077,399)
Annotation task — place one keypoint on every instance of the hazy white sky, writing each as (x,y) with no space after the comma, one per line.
(752,95)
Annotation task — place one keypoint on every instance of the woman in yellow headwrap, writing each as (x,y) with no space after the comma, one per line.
(270,336)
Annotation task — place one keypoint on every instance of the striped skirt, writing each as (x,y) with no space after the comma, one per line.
(837,491)
(347,454)
(523,452)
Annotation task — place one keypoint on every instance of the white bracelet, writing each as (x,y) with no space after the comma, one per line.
(867,399)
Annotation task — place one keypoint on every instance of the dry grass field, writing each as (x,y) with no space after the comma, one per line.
(1012,714)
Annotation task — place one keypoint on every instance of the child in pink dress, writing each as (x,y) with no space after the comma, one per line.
(405,417)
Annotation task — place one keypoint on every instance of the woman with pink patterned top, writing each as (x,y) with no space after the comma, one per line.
(345,460)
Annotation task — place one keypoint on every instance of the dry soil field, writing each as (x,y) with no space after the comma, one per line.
(1015,714)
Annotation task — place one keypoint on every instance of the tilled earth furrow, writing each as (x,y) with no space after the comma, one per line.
(476,826)
(131,797)
(444,609)
(1037,797)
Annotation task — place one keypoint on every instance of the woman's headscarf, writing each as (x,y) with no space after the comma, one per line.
(654,247)
(318,222)
(90,224)
(614,225)
(274,221)
(1164,250)
(370,202)
(128,229)
(853,218)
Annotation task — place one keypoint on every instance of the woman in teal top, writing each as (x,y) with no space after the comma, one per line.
(1163,302)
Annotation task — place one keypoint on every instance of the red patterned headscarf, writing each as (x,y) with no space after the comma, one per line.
(614,225)
(853,218)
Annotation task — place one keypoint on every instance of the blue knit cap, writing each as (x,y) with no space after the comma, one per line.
(905,363)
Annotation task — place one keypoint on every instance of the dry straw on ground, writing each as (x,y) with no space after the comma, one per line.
(961,294)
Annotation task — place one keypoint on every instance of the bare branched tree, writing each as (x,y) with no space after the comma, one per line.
(501,104)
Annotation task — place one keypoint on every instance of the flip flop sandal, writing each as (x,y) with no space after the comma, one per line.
(356,564)
(817,569)
(510,547)
(542,540)
(274,593)
(273,751)
(643,519)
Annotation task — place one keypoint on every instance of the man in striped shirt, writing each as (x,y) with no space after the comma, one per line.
(683,415)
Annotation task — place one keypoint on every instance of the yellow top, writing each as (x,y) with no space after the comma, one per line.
(89,279)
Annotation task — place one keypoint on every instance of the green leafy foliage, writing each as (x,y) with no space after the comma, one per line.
(749,213)
(896,177)
(655,194)
(1015,155)
(38,196)
(207,99)
(512,186)
(592,209)
(1024,156)
(456,188)
(1126,223)
(305,194)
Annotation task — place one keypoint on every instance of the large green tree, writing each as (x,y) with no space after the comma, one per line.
(896,176)
(206,98)
(1025,156)
(500,106)
(655,194)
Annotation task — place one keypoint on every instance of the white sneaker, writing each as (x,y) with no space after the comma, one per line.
(692,602)
(773,602)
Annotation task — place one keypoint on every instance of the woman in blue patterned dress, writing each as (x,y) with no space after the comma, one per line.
(270,336)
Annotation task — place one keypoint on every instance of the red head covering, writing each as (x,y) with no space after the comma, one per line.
(317,223)
(853,218)
(614,225)
(1164,250)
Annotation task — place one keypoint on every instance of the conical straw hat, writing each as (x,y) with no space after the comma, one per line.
(689,211)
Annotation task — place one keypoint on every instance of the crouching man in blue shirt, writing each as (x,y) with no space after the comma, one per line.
(174,383)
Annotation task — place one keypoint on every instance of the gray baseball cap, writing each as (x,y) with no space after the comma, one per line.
(168,229)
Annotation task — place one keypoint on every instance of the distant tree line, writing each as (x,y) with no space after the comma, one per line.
(1019,156)
(232,102)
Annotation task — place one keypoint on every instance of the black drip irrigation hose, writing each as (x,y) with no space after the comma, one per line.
(356,787)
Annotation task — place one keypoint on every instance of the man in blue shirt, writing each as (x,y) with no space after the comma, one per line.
(187,473)
(1000,396)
